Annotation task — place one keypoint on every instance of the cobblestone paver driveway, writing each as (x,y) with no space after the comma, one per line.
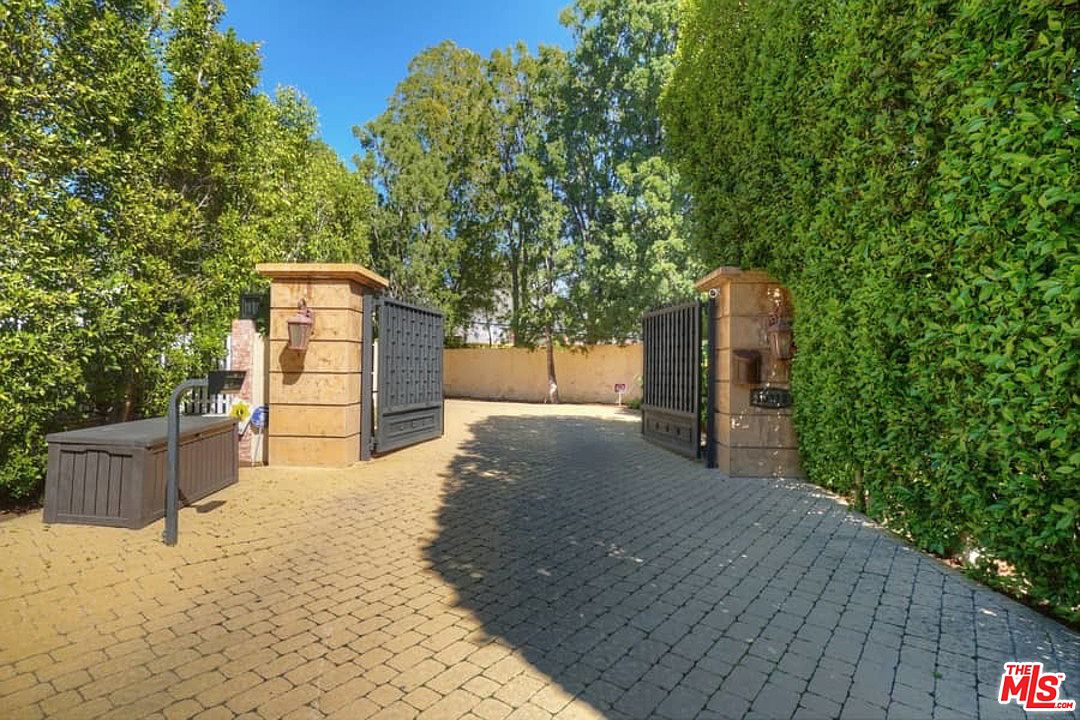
(535,562)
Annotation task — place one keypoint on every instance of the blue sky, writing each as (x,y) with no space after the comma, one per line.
(348,56)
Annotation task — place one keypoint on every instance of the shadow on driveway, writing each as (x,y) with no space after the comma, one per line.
(650,586)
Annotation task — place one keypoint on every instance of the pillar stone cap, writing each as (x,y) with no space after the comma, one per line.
(729,274)
(323,271)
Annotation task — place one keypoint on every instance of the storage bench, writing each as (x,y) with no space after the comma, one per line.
(115,474)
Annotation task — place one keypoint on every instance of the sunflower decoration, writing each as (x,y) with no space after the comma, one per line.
(240,411)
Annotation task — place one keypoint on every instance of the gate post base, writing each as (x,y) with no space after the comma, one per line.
(314,395)
(753,438)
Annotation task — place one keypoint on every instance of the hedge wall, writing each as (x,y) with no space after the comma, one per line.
(911,170)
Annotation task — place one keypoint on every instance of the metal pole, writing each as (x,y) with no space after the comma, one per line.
(367,374)
(172,485)
(710,417)
(646,368)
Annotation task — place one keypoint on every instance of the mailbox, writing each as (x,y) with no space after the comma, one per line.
(745,367)
(225,382)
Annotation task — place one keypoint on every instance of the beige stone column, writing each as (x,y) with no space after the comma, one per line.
(315,395)
(750,441)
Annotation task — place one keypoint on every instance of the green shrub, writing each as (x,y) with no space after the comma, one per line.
(911,170)
(142,177)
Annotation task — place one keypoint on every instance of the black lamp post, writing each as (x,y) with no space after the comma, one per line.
(218,381)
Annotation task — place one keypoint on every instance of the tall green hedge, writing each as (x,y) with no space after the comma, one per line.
(911,170)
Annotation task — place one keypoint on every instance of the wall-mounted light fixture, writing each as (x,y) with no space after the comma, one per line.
(252,305)
(300,326)
(780,339)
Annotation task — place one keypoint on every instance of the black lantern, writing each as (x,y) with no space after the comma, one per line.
(780,339)
(252,305)
(300,326)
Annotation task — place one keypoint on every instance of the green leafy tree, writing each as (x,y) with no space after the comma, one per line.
(429,155)
(141,178)
(535,253)
(81,100)
(623,200)
(533,188)
(305,206)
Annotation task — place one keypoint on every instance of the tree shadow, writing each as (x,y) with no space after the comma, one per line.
(590,552)
(647,585)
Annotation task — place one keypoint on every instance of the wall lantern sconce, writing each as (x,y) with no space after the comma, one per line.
(300,326)
(252,305)
(780,339)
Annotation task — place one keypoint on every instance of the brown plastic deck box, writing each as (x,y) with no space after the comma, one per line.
(115,474)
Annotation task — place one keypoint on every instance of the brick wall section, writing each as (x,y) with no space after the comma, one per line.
(243,341)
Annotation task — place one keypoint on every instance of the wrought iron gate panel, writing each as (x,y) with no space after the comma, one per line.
(670,407)
(409,402)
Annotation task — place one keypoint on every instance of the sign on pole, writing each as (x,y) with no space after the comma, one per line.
(620,388)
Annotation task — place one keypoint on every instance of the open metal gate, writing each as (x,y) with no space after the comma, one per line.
(671,379)
(409,399)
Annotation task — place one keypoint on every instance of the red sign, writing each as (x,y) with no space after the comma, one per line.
(620,387)
(1032,689)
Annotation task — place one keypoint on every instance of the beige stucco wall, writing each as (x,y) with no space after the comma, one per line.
(521,374)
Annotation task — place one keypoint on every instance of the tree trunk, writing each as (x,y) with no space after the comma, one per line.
(515,292)
(553,387)
(859,491)
(126,410)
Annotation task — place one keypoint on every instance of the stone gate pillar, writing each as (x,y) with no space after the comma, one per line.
(314,396)
(754,433)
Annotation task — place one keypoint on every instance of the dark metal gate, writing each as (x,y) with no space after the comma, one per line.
(409,401)
(671,392)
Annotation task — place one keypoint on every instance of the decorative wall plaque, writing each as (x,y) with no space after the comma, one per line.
(770,397)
